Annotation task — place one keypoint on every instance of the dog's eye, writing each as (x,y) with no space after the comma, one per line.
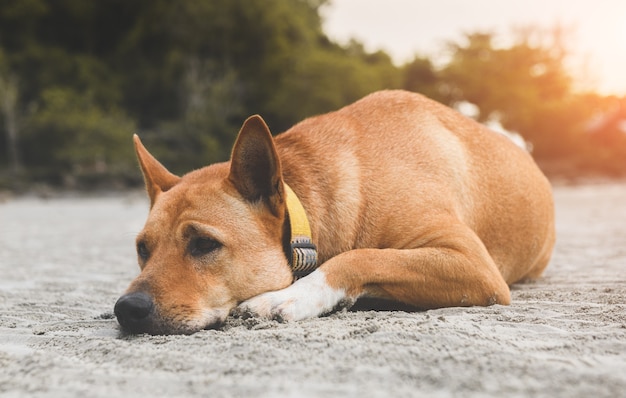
(201,246)
(142,251)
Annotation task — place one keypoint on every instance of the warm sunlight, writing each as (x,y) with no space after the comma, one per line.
(603,38)
(621,31)
(597,29)
(622,36)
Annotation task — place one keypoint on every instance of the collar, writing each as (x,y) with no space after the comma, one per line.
(303,253)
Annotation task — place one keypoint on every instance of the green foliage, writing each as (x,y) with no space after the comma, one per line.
(420,75)
(213,113)
(325,79)
(186,74)
(82,76)
(514,84)
(526,87)
(71,136)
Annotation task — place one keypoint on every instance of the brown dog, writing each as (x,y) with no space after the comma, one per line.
(403,198)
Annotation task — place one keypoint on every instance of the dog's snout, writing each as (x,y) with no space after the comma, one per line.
(133,312)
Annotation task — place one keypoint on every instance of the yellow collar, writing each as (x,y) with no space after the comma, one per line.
(303,251)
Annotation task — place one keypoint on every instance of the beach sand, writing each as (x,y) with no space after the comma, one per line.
(65,261)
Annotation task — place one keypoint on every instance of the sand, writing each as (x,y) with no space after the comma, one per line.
(64,262)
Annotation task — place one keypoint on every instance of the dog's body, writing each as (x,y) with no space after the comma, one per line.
(407,200)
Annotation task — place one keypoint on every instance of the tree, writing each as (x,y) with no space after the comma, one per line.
(421,77)
(328,77)
(183,74)
(78,141)
(8,110)
(525,86)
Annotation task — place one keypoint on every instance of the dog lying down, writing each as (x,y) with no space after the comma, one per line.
(394,197)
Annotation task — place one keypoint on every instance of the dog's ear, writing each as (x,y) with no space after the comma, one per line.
(157,178)
(255,169)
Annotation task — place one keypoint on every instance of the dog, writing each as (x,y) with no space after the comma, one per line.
(394,197)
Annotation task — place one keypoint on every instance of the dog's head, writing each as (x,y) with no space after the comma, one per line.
(213,238)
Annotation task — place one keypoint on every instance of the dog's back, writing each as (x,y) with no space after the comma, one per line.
(375,173)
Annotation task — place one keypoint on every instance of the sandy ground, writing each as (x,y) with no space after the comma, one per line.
(63,263)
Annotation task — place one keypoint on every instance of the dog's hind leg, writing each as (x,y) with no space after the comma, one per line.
(453,269)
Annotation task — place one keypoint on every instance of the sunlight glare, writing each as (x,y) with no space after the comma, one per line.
(622,36)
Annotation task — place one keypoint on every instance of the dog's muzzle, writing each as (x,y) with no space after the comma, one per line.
(134,312)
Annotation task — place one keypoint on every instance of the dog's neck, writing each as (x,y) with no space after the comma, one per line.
(301,251)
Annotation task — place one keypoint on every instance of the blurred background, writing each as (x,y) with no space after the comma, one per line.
(78,78)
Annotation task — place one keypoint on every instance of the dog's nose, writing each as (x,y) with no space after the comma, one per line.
(133,312)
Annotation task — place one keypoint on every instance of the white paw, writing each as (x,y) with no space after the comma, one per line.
(308,297)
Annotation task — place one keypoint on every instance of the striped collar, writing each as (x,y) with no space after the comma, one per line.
(303,253)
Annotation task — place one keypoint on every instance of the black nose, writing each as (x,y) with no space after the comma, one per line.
(133,312)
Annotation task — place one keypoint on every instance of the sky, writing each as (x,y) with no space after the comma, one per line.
(404,28)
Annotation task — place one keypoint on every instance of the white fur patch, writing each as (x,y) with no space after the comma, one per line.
(307,297)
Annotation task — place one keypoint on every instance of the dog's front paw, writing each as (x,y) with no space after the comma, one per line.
(308,297)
